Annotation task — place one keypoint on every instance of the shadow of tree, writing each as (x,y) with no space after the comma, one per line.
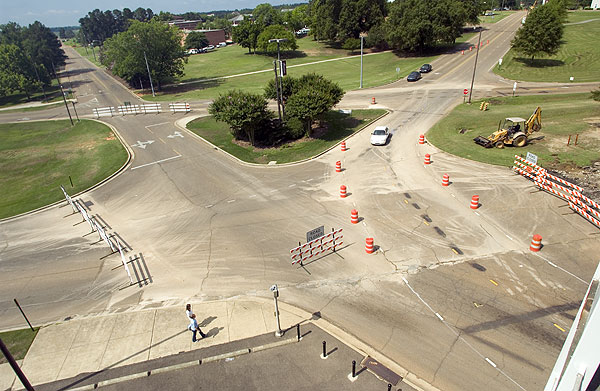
(539,62)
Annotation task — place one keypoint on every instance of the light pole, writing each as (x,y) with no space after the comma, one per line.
(278,332)
(63,94)
(278,82)
(149,76)
(475,66)
(362,39)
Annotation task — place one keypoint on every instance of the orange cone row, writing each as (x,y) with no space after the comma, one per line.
(369,245)
(536,243)
(427,158)
(343,144)
(343,191)
(338,166)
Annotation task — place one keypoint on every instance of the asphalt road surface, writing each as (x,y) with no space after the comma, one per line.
(452,294)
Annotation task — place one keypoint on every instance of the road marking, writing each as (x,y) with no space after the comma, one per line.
(174,150)
(156,162)
(149,126)
(142,144)
(273,191)
(491,362)
(558,327)
(230,201)
(494,282)
(452,195)
(426,223)
(252,196)
(477,305)
(439,316)
(406,202)
(455,252)
(175,134)
(163,141)
(292,185)
(510,239)
(476,213)
(208,206)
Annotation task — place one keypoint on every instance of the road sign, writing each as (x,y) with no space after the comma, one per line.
(531,158)
(465,91)
(315,233)
(499,61)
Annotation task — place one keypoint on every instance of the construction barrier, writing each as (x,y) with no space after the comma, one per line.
(179,107)
(129,109)
(124,261)
(369,245)
(104,112)
(151,108)
(343,191)
(354,216)
(343,145)
(427,158)
(446,180)
(317,246)
(69,199)
(475,202)
(584,214)
(536,243)
(422,139)
(338,166)
(373,101)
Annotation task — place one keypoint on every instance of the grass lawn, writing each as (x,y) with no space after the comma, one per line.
(579,55)
(88,53)
(35,108)
(340,126)
(52,93)
(37,157)
(378,69)
(562,115)
(18,342)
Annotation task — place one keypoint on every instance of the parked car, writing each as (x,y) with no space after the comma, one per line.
(192,51)
(221,44)
(209,47)
(425,68)
(414,76)
(380,135)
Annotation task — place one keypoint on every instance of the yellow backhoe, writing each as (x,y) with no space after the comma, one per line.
(514,131)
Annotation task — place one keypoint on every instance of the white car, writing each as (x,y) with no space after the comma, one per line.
(380,135)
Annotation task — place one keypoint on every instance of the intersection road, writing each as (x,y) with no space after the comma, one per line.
(452,295)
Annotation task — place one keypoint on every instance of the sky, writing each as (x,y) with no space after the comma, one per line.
(53,13)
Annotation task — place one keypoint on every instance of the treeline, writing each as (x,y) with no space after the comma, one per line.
(28,57)
(410,25)
(98,25)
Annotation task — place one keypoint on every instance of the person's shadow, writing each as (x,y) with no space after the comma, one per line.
(207,321)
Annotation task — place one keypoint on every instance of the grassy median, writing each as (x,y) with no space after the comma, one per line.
(562,115)
(340,126)
(37,157)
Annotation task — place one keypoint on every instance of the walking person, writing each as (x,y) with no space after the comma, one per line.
(195,328)
(188,311)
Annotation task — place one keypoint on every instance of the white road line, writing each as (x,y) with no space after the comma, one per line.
(558,267)
(273,191)
(508,236)
(252,196)
(230,201)
(461,337)
(162,123)
(156,162)
(208,206)
(439,316)
(477,213)
(292,185)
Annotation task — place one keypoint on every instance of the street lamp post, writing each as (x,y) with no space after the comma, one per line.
(149,76)
(475,66)
(278,82)
(362,39)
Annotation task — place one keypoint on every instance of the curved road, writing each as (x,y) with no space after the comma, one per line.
(452,295)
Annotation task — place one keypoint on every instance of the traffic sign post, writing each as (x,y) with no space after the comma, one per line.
(465,92)
(315,233)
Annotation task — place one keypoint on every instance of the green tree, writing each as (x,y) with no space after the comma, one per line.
(297,18)
(17,72)
(357,16)
(541,34)
(276,31)
(409,25)
(246,34)
(124,52)
(245,113)
(288,86)
(196,40)
(314,96)
(42,46)
(265,15)
(351,44)
(11,33)
(324,17)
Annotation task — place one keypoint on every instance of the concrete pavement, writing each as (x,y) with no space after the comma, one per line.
(92,344)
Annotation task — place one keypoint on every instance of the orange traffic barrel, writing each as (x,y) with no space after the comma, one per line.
(422,139)
(536,243)
(338,166)
(369,245)
(343,191)
(475,202)
(343,146)
(427,158)
(354,216)
(445,180)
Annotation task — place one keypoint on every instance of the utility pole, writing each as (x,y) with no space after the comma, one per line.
(15,366)
(63,94)
(362,39)
(475,66)
(278,82)
(149,76)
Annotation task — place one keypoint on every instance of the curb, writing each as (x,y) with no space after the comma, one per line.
(181,124)
(130,156)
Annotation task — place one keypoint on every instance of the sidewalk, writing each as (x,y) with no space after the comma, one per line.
(66,349)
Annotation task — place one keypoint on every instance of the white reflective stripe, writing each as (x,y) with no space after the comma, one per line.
(123,259)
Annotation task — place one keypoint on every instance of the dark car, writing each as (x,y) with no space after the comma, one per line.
(425,68)
(414,76)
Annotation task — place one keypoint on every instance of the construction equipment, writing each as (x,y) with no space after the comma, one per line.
(514,131)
